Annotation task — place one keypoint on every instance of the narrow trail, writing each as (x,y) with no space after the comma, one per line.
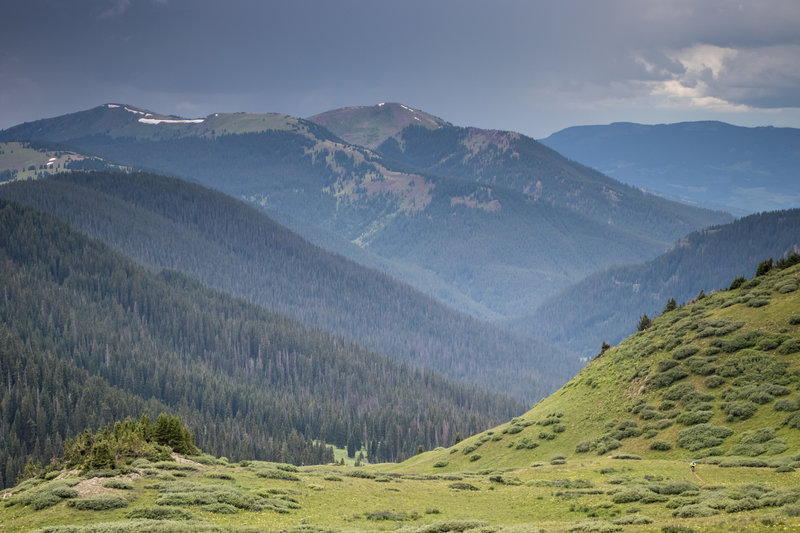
(698,477)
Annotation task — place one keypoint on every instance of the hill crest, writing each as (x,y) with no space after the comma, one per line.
(369,126)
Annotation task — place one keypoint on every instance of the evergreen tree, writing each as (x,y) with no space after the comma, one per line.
(644,323)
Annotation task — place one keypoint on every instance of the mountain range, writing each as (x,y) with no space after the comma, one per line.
(497,221)
(738,169)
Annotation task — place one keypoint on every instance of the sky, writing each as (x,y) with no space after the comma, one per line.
(529,66)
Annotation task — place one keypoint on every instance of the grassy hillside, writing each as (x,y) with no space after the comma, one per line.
(33,160)
(608,452)
(717,379)
(172,224)
(609,302)
(87,336)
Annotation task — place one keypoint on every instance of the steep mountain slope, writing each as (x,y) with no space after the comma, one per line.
(715,380)
(501,248)
(168,223)
(709,163)
(507,159)
(607,305)
(87,336)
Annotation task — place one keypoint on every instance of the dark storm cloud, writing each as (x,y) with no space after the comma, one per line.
(530,66)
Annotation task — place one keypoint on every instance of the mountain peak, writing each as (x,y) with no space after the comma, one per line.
(371,125)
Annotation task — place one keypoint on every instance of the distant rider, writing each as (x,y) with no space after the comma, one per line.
(692,464)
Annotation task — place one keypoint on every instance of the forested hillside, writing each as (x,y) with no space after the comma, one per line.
(168,223)
(606,306)
(88,337)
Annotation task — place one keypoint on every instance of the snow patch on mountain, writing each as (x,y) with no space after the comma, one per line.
(171,120)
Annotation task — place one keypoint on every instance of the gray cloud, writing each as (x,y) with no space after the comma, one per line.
(510,64)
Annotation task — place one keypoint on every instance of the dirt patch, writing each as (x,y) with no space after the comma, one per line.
(185,461)
(65,473)
(92,487)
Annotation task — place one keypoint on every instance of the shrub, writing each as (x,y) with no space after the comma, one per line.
(743,504)
(219,508)
(758,302)
(167,465)
(785,404)
(739,410)
(712,382)
(665,379)
(462,486)
(791,510)
(691,418)
(99,503)
(160,513)
(793,421)
(441,464)
(673,488)
(786,287)
(633,519)
(594,525)
(731,462)
(694,511)
(287,476)
(456,526)
(685,351)
(63,491)
(632,494)
(790,347)
(660,445)
(526,444)
(794,320)
(474,457)
(700,365)
(678,392)
(663,424)
(360,474)
(666,364)
(118,484)
(220,475)
(703,436)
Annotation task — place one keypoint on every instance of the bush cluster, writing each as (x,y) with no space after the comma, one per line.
(703,436)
